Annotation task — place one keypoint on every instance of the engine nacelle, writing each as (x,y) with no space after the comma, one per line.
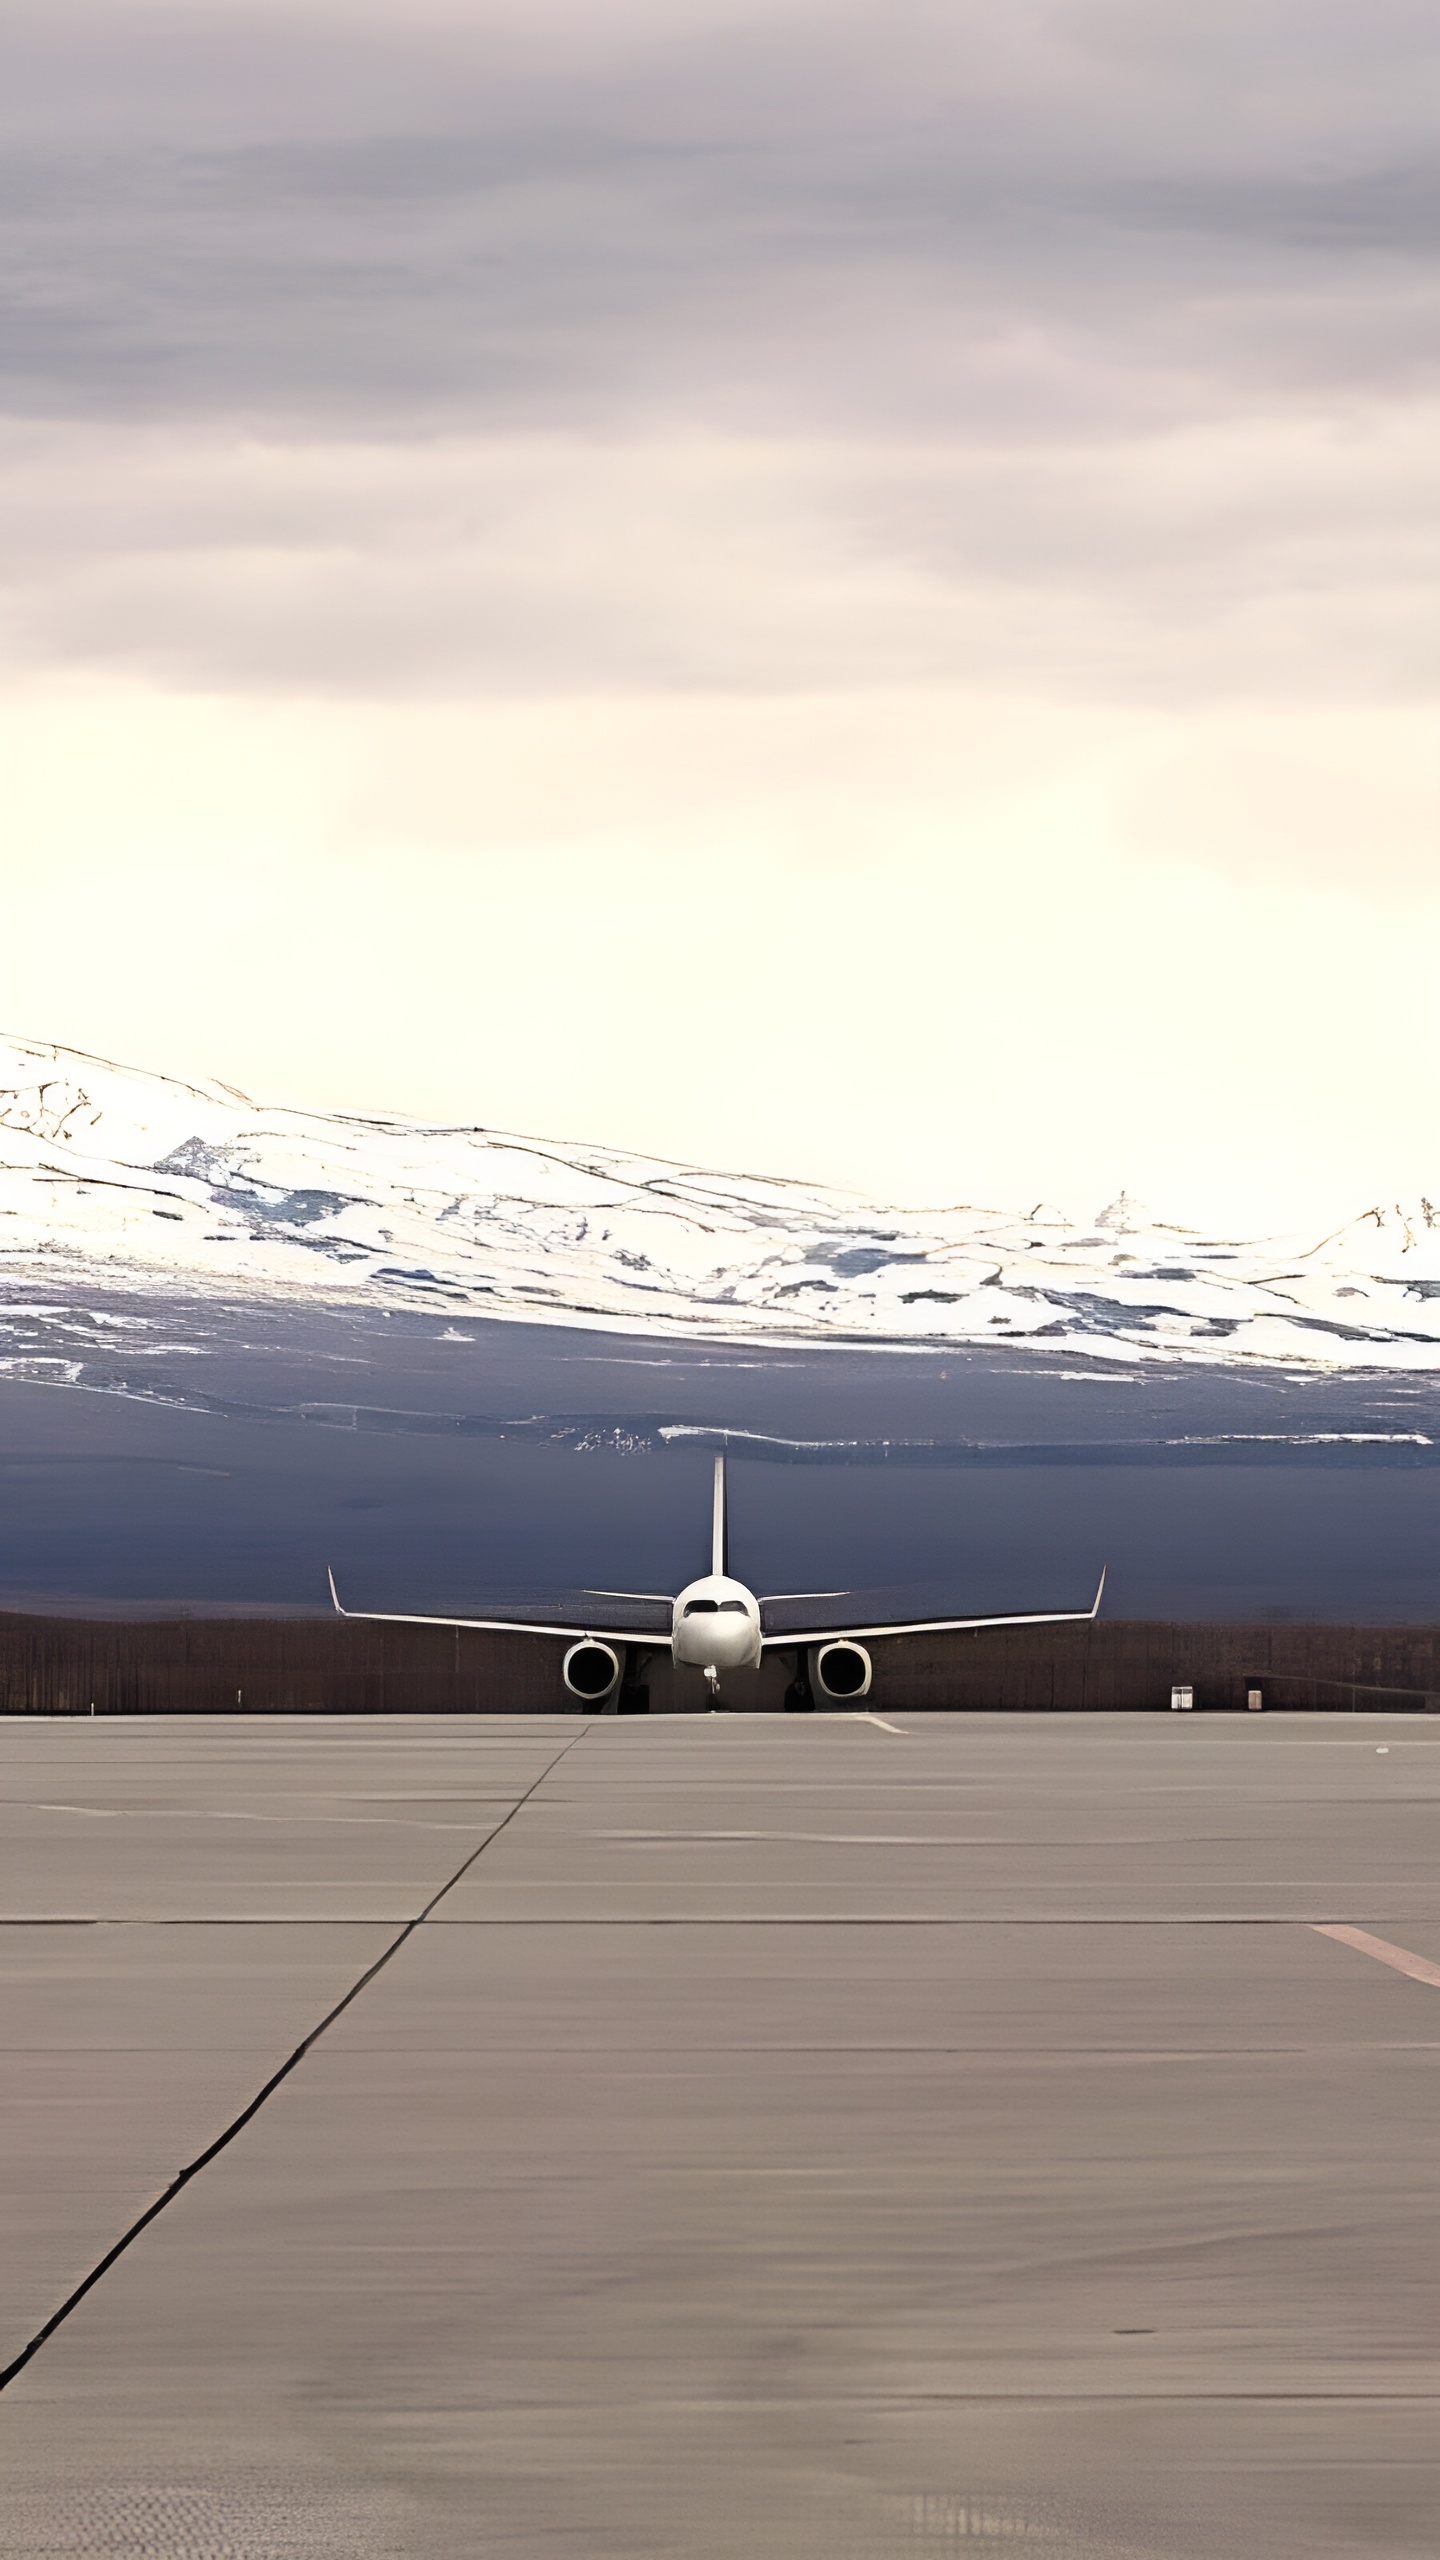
(842,1669)
(591,1670)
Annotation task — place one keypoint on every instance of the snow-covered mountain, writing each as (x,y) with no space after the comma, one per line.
(110,1174)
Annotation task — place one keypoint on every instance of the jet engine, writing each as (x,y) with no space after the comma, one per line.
(590,1670)
(842,1669)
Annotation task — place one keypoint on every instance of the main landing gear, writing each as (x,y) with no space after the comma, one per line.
(633,1697)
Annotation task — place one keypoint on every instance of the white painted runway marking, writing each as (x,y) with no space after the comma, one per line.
(1419,1968)
(213,1813)
(887,1728)
(837,1839)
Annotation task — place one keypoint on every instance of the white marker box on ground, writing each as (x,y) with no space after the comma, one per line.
(1255,1700)
(1181,1701)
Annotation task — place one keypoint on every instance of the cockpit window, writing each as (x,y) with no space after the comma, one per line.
(734,1604)
(701,1608)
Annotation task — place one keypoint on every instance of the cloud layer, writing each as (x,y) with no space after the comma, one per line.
(1054,387)
(942,219)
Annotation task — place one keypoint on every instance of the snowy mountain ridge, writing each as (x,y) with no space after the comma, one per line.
(113,1175)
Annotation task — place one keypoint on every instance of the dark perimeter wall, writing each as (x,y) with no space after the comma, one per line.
(286,1666)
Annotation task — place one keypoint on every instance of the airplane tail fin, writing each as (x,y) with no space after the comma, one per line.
(719,1533)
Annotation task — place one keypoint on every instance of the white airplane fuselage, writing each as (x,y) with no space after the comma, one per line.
(716,1625)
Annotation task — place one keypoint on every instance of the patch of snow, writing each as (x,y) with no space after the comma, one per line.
(109,1173)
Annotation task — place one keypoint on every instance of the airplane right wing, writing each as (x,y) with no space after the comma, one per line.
(499,1626)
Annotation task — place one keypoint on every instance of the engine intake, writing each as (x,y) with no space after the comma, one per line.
(590,1670)
(842,1669)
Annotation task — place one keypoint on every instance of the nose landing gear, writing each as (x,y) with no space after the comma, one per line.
(712,1677)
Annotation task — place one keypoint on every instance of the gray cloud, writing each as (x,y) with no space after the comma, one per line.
(1073,346)
(794,214)
(1231,562)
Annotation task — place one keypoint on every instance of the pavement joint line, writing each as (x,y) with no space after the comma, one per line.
(1419,1968)
(1378,2396)
(696,1920)
(223,2139)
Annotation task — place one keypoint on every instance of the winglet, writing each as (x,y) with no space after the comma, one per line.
(1094,1612)
(334,1594)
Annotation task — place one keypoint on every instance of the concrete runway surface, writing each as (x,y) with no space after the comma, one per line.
(779,2137)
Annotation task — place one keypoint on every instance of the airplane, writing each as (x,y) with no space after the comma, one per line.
(718,1627)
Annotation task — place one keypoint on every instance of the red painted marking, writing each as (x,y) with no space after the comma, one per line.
(1419,1968)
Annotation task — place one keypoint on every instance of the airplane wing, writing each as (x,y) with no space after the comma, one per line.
(498,1626)
(935,1626)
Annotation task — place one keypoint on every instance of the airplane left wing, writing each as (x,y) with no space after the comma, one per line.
(935,1626)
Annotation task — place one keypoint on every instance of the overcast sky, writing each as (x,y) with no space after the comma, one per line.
(844,588)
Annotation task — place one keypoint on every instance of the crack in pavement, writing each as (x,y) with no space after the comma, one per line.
(238,2123)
